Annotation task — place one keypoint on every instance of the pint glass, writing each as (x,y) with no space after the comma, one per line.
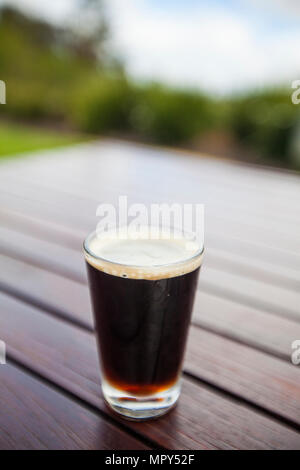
(142,291)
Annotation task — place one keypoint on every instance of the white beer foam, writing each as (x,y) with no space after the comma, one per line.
(138,256)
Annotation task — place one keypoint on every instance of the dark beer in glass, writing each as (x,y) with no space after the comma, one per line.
(142,292)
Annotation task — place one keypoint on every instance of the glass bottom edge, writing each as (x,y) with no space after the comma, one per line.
(138,408)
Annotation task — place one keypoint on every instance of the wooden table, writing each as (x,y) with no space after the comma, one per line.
(240,388)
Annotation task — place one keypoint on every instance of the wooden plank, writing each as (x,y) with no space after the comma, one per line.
(244,324)
(221,254)
(272,264)
(46,290)
(245,231)
(68,262)
(253,252)
(54,257)
(105,180)
(251,327)
(245,372)
(86,205)
(92,191)
(137,159)
(33,416)
(39,226)
(218,258)
(274,228)
(249,291)
(52,293)
(59,206)
(203,419)
(220,170)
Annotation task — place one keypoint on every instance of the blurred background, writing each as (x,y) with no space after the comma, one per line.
(211,77)
(214,77)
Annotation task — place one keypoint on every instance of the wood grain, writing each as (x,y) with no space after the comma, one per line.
(245,372)
(69,299)
(98,162)
(68,199)
(247,325)
(34,416)
(69,263)
(247,304)
(248,259)
(56,294)
(203,419)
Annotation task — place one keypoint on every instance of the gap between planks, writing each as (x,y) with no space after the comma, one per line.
(69,263)
(239,385)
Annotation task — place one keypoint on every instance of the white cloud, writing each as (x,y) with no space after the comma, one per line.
(205,47)
(54,10)
(290,7)
(214,48)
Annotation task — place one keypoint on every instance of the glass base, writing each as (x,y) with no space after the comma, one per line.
(138,408)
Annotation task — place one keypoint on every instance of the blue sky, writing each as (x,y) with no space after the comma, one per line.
(220,46)
(267,14)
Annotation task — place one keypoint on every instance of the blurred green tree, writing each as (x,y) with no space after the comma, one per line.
(68,73)
(42,63)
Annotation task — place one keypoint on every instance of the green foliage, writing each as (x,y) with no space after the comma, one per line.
(54,74)
(40,65)
(169,116)
(103,105)
(152,112)
(16,138)
(265,121)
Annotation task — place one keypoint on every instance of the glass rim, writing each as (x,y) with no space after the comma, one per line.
(89,252)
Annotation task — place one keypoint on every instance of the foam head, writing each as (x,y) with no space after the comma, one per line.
(140,255)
